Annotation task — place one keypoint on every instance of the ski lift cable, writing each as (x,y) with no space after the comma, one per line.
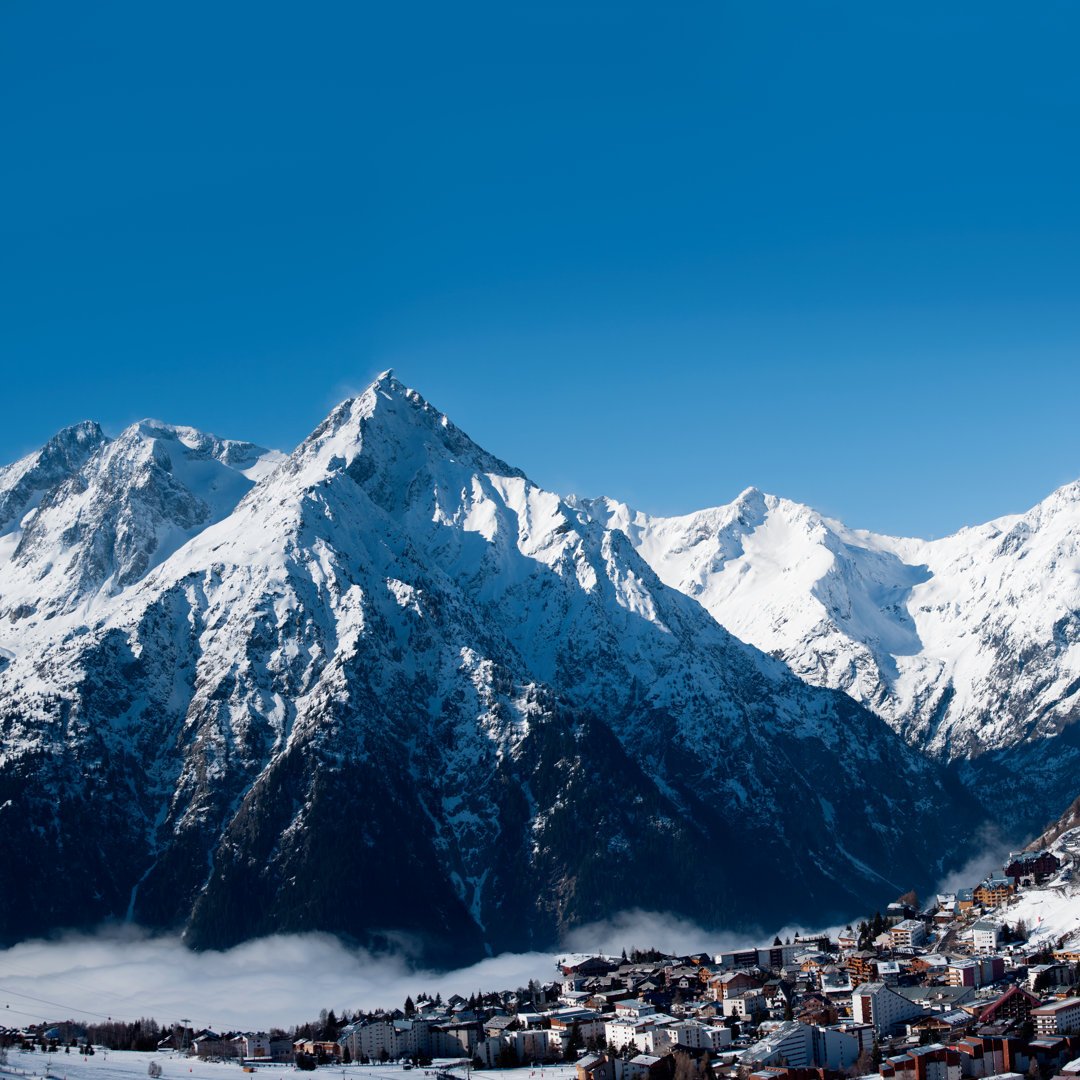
(98,992)
(33,1016)
(56,1004)
(122,1003)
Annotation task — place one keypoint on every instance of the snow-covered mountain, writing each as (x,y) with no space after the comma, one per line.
(86,517)
(968,646)
(390,686)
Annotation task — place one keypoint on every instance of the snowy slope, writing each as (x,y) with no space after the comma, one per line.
(23,483)
(402,689)
(968,646)
(1050,911)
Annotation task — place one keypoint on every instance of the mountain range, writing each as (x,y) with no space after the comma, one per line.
(387,687)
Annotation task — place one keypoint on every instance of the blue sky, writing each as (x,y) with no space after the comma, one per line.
(661,252)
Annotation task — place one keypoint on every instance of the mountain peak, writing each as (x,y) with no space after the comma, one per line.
(23,483)
(384,437)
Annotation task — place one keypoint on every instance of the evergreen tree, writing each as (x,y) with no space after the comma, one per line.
(574,1043)
(506,1058)
(410,1008)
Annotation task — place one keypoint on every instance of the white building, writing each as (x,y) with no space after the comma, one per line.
(255,1045)
(590,1024)
(745,1005)
(633,1007)
(532,1044)
(882,1008)
(908,933)
(627,1032)
(805,1046)
(692,1034)
(1060,1018)
(985,936)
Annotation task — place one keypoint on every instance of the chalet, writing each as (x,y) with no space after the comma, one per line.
(683,977)
(1028,867)
(862,966)
(995,890)
(595,1067)
(594,965)
(735,983)
(941,1025)
(847,941)
(929,964)
(1015,1004)
(320,1049)
(644,1067)
(965,899)
(817,1009)
(633,1007)
(208,1044)
(836,984)
(897,912)
(496,1025)
(812,960)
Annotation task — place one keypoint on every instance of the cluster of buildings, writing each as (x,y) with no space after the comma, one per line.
(945,993)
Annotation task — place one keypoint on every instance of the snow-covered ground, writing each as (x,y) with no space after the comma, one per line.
(1050,911)
(129,1065)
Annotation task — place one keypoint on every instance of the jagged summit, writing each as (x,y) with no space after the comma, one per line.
(24,482)
(107,511)
(390,431)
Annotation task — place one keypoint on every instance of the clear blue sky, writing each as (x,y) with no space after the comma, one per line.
(658,251)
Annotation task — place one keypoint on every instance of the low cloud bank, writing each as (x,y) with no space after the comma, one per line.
(125,973)
(273,981)
(668,933)
(991,850)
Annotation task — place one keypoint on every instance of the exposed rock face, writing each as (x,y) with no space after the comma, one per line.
(390,687)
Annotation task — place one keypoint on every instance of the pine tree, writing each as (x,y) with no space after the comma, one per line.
(574,1043)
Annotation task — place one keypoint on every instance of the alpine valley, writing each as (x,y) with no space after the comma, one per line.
(387,687)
